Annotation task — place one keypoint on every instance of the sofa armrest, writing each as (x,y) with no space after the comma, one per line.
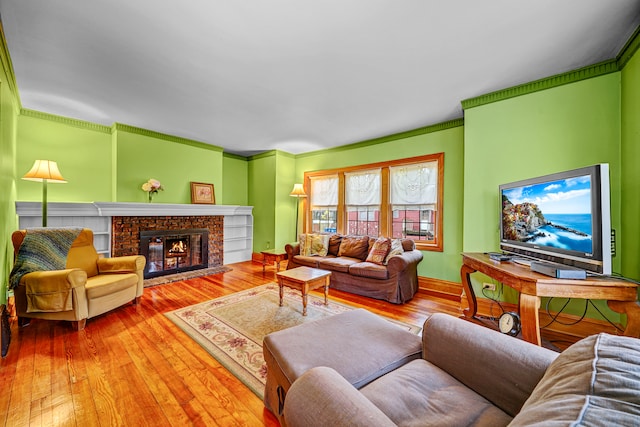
(123,264)
(400,262)
(292,249)
(322,397)
(503,369)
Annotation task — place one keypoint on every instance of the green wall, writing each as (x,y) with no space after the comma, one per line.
(9,107)
(235,173)
(82,151)
(629,242)
(447,138)
(175,162)
(262,196)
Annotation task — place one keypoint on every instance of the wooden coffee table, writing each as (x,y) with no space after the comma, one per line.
(304,279)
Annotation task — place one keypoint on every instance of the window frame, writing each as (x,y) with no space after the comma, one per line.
(386,215)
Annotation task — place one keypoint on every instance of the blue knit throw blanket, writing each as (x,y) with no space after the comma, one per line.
(43,249)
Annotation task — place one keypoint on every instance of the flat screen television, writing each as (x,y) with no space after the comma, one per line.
(563,218)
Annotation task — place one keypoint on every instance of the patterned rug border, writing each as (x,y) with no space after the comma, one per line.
(169,278)
(246,349)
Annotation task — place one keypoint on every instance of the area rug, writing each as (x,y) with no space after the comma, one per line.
(231,328)
(161,280)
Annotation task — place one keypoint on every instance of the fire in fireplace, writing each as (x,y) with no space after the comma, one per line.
(174,251)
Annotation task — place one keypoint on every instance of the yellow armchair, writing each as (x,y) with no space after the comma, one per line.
(88,287)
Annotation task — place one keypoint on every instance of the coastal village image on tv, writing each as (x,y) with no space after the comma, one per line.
(555,214)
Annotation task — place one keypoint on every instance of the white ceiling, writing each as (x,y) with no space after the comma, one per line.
(295,75)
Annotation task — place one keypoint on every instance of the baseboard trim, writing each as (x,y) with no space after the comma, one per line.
(440,288)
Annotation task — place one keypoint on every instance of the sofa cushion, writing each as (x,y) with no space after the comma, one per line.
(334,244)
(108,284)
(593,382)
(420,392)
(379,250)
(337,264)
(354,247)
(314,244)
(307,261)
(369,269)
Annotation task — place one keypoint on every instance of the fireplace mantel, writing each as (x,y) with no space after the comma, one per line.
(128,209)
(238,220)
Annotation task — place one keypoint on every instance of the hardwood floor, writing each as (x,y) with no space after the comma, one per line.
(134,367)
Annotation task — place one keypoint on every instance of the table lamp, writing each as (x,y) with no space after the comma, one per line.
(297,192)
(44,171)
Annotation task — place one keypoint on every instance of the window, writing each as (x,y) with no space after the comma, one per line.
(413,200)
(362,196)
(399,199)
(324,204)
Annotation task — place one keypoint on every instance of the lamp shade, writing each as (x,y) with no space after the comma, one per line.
(298,191)
(44,170)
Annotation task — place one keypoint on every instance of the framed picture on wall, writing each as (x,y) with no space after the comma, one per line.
(202,193)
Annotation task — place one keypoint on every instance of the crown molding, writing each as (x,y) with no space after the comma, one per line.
(629,49)
(389,138)
(270,153)
(233,156)
(164,136)
(65,120)
(584,73)
(7,66)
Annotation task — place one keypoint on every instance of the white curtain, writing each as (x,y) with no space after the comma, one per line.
(363,188)
(324,192)
(415,184)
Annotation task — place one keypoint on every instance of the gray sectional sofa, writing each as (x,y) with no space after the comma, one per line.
(464,375)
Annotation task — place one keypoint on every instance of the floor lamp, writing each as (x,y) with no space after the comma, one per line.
(44,171)
(297,192)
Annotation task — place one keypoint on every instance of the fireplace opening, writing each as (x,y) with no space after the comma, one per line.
(174,251)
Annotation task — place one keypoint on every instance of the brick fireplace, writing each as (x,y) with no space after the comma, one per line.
(125,233)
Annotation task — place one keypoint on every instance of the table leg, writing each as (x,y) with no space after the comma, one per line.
(281,285)
(632,310)
(326,290)
(264,262)
(278,265)
(470,312)
(530,319)
(305,291)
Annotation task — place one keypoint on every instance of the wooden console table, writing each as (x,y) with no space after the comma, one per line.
(621,296)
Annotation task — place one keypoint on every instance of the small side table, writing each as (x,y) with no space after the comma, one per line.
(273,255)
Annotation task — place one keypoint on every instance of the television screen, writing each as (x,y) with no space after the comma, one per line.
(562,218)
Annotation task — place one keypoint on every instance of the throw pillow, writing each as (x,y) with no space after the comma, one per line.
(396,249)
(319,244)
(379,251)
(314,244)
(354,247)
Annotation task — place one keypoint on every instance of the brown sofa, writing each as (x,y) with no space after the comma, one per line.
(396,281)
(469,375)
(95,285)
